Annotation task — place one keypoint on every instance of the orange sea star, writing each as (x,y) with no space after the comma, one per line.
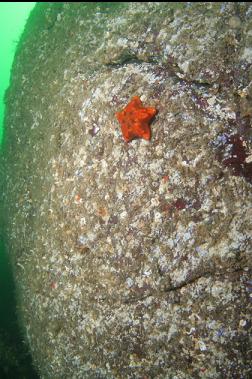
(135,119)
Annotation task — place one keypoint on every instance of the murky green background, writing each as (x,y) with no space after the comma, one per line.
(15,361)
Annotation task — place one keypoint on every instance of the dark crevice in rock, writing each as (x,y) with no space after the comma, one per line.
(197,83)
(207,274)
(171,69)
(129,59)
(173,288)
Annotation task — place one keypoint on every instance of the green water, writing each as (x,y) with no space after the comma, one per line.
(15,361)
(12,21)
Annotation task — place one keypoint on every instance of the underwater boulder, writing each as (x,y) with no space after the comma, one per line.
(132,259)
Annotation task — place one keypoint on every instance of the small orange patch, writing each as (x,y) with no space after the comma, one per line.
(102,211)
(135,120)
(54,285)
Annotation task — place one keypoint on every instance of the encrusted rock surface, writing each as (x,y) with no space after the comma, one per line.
(132,260)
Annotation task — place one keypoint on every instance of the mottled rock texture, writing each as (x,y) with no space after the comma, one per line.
(132,260)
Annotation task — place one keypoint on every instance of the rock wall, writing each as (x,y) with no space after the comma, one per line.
(132,260)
